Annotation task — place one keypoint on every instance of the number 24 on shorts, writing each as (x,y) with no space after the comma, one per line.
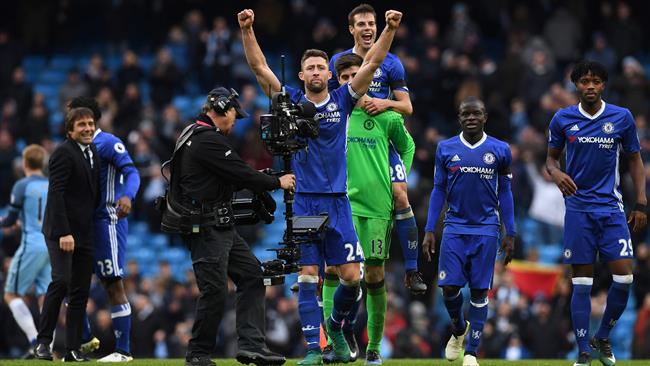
(351,252)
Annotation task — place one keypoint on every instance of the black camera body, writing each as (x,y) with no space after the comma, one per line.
(286,127)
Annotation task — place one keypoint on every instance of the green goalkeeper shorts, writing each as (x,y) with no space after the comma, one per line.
(374,236)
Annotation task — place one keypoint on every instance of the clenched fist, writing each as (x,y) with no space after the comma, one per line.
(393,18)
(246,18)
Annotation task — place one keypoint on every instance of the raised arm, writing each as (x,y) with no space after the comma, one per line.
(254,56)
(376,54)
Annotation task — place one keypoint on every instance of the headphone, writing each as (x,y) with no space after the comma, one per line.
(221,104)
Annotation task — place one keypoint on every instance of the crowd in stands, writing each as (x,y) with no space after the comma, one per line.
(151,77)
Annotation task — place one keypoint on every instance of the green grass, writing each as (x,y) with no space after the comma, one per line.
(401,362)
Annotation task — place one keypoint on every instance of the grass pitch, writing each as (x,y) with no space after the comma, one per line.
(400,362)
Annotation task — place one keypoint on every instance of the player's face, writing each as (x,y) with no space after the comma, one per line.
(590,87)
(315,73)
(83,130)
(472,117)
(364,30)
(346,75)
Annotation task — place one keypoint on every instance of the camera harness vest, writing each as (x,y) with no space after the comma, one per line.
(179,219)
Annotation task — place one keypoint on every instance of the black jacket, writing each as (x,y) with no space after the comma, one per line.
(210,170)
(73,194)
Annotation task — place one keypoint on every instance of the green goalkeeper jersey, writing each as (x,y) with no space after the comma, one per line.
(369,183)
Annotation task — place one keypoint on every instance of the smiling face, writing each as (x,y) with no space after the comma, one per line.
(364,30)
(315,73)
(590,87)
(472,117)
(83,130)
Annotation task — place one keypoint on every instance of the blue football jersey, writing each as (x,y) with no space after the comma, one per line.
(321,166)
(114,159)
(593,145)
(28,197)
(390,76)
(469,174)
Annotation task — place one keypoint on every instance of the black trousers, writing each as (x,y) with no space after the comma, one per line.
(217,255)
(71,272)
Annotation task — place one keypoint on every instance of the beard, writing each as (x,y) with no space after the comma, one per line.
(315,88)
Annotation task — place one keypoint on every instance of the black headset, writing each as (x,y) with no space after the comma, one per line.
(221,104)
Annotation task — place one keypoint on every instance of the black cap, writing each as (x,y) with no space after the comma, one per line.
(232,95)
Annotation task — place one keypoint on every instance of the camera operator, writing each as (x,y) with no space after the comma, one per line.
(205,171)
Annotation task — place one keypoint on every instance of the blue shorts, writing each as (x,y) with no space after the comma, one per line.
(340,244)
(397,169)
(29,266)
(467,258)
(110,248)
(591,234)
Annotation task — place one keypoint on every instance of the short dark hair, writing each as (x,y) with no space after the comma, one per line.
(585,67)
(346,61)
(75,114)
(312,52)
(361,9)
(86,102)
(471,100)
(34,157)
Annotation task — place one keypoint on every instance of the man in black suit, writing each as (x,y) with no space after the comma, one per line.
(68,225)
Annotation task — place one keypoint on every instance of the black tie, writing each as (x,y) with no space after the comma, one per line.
(88,159)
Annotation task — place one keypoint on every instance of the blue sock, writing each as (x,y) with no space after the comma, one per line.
(121,315)
(581,311)
(454,307)
(344,299)
(616,303)
(86,334)
(477,315)
(310,313)
(351,319)
(407,232)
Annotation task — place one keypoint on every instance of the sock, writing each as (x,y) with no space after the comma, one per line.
(617,297)
(86,333)
(454,307)
(477,315)
(330,284)
(344,298)
(309,311)
(581,310)
(351,319)
(121,315)
(24,318)
(376,304)
(407,232)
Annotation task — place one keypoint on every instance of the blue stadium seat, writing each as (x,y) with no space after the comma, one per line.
(52,104)
(48,91)
(113,62)
(183,104)
(133,241)
(34,63)
(173,255)
(62,63)
(146,62)
(53,77)
(82,63)
(138,227)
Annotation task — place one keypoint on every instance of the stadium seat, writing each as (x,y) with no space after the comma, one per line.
(52,77)
(48,91)
(184,105)
(62,63)
(34,63)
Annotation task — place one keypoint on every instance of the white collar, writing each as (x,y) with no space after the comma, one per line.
(83,147)
(318,105)
(600,111)
(97,131)
(477,144)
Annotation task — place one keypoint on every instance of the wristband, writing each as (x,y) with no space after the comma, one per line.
(640,207)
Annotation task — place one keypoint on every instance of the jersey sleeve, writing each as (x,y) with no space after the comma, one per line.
(402,140)
(294,93)
(347,96)
(440,170)
(397,77)
(630,138)
(556,136)
(18,195)
(506,161)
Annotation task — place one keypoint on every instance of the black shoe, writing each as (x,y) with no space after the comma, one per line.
(414,282)
(584,359)
(42,352)
(75,356)
(373,358)
(603,349)
(199,361)
(260,357)
(328,354)
(352,342)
